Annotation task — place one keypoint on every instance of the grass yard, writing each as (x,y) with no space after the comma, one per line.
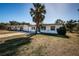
(6,32)
(45,45)
(41,45)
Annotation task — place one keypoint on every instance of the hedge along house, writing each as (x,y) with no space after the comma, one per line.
(45,28)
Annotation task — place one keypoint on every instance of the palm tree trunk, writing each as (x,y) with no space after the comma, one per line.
(37,26)
(36,29)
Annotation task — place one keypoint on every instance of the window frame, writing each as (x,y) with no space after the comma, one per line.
(33,28)
(52,28)
(43,27)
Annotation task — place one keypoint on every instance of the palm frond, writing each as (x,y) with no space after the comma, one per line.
(38,13)
(32,12)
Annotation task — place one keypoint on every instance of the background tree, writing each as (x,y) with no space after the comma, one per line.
(77,26)
(38,14)
(59,21)
(24,23)
(3,25)
(78,23)
(14,23)
(61,30)
(70,25)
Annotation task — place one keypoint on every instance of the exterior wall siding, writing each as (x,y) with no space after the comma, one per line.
(25,28)
(48,30)
(30,29)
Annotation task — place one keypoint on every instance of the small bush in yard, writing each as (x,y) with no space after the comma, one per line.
(61,31)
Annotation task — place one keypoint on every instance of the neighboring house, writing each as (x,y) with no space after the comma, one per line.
(15,27)
(45,28)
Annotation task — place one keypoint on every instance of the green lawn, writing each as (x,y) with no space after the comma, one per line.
(40,44)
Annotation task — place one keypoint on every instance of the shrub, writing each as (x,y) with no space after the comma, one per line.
(61,31)
(2,26)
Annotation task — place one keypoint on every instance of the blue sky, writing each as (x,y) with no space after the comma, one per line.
(20,12)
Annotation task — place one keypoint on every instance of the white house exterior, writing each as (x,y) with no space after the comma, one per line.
(50,28)
(46,28)
(25,27)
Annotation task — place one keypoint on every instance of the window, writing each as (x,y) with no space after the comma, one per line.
(43,27)
(52,27)
(21,28)
(33,28)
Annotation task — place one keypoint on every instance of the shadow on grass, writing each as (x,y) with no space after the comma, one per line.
(62,36)
(77,35)
(9,47)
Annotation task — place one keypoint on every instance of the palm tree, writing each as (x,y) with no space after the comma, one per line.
(38,14)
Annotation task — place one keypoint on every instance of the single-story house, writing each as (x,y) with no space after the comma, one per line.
(45,28)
